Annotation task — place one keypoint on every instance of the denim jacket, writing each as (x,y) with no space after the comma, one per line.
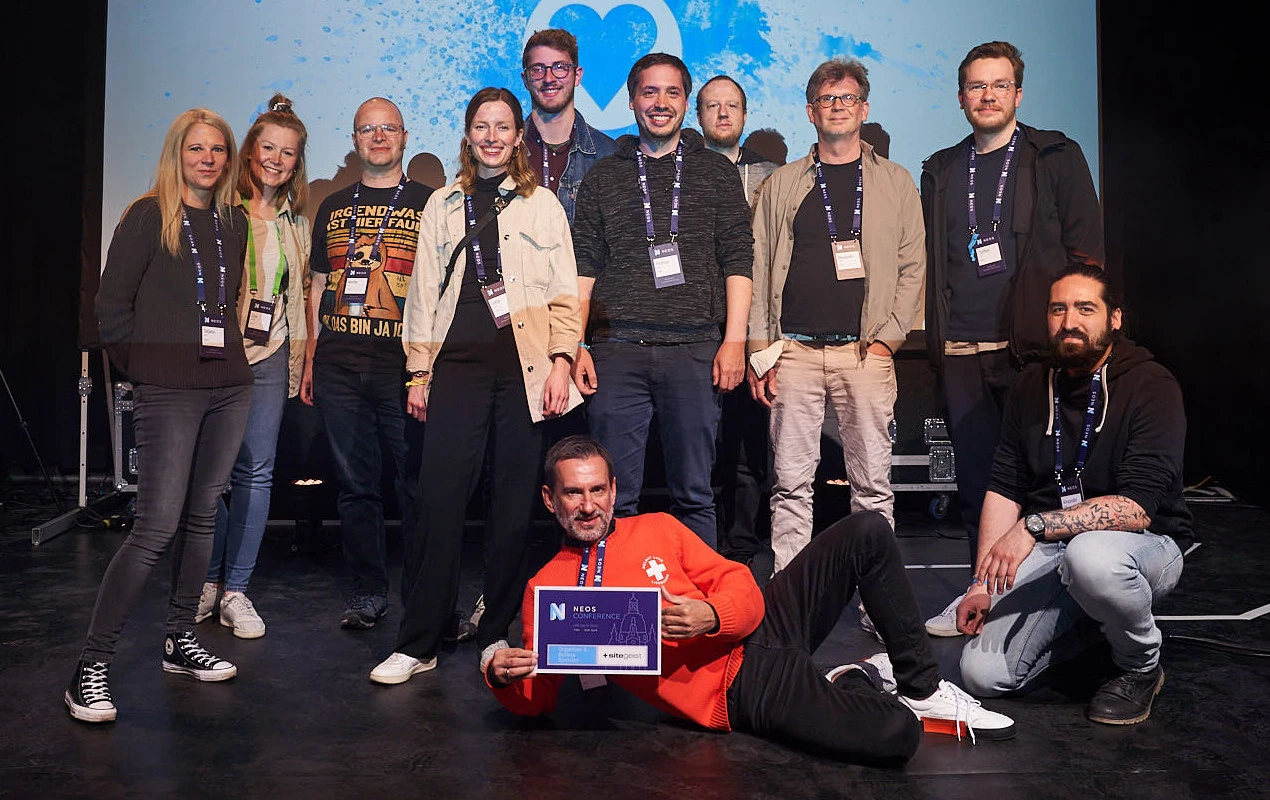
(589,146)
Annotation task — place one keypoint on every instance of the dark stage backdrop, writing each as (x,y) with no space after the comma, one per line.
(1183,182)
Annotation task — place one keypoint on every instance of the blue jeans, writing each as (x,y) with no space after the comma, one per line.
(1062,594)
(186,443)
(674,381)
(241,527)
(359,411)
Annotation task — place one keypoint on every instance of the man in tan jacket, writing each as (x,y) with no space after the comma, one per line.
(839,260)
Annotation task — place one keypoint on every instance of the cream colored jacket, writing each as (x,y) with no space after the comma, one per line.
(892,239)
(538,271)
(297,243)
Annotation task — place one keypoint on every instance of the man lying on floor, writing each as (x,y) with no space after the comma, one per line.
(737,658)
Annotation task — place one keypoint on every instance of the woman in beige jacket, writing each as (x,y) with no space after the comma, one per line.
(488,346)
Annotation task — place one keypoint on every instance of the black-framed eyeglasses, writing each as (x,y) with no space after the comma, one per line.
(827,100)
(1000,88)
(368,130)
(560,69)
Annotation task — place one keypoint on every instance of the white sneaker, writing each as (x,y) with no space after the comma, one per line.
(399,667)
(945,622)
(207,602)
(487,654)
(866,625)
(877,668)
(237,612)
(478,611)
(950,710)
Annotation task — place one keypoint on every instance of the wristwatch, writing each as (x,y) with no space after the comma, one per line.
(1035,526)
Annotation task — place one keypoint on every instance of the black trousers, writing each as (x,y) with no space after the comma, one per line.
(745,474)
(477,393)
(975,387)
(779,692)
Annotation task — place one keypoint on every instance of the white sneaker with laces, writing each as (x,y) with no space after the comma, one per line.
(399,668)
(950,710)
(237,612)
(206,602)
(487,654)
(945,622)
(877,668)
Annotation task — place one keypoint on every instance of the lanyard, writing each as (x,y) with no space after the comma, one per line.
(674,193)
(383,224)
(1095,388)
(470,211)
(824,193)
(251,254)
(546,161)
(599,564)
(198,260)
(1005,174)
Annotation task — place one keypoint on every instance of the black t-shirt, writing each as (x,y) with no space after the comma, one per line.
(816,303)
(977,306)
(369,341)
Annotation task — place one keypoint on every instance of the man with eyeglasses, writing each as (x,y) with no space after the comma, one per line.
(1006,209)
(562,147)
(839,258)
(664,249)
(364,239)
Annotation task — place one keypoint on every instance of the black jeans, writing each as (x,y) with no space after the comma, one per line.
(779,693)
(187,440)
(359,411)
(475,395)
(975,387)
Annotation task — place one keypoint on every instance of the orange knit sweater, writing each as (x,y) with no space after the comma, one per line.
(696,673)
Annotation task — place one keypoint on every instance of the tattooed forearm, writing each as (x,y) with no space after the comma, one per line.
(1111,512)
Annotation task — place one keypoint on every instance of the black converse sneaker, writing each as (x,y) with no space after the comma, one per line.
(182,653)
(88,696)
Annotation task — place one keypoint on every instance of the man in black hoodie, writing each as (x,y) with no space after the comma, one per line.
(1006,209)
(1084,522)
(664,250)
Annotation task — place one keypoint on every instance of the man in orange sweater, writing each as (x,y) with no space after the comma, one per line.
(735,657)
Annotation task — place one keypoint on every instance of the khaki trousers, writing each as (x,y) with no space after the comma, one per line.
(862,393)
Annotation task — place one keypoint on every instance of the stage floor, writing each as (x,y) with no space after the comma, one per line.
(303,719)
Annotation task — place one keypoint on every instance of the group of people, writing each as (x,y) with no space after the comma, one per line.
(653,275)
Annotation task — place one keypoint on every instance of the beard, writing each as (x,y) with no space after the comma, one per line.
(555,104)
(725,141)
(1082,355)
(569,522)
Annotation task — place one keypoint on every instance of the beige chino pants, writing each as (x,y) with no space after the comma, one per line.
(862,393)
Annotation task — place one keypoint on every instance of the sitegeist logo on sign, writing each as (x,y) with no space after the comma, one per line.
(616,113)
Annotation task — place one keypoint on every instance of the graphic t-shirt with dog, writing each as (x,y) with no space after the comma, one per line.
(366,339)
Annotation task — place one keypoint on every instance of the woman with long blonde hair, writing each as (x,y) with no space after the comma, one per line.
(167,312)
(272,188)
(489,346)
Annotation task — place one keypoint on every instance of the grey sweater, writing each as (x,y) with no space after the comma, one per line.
(610,244)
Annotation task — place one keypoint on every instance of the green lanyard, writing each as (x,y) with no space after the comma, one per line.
(251,254)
